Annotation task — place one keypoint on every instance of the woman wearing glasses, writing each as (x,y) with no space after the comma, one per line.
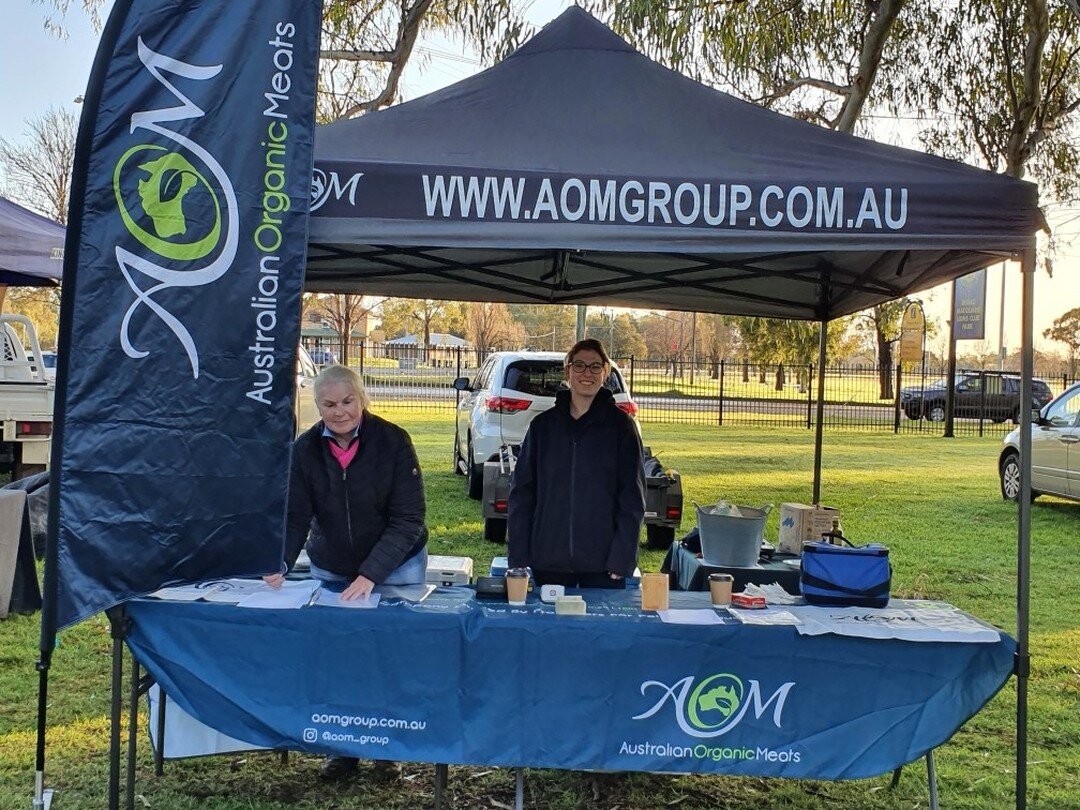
(578,493)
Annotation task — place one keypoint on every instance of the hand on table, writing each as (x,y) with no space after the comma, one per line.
(274,580)
(615,576)
(359,588)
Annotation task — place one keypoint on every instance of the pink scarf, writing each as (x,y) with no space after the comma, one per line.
(344,456)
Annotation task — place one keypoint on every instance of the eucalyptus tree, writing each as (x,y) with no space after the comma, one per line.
(992,82)
(368,43)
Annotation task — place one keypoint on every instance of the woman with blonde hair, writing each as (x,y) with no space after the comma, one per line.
(356,498)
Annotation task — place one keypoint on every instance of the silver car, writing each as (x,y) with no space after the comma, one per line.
(1055,451)
(497,405)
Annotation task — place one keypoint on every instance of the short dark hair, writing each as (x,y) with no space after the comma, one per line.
(587,345)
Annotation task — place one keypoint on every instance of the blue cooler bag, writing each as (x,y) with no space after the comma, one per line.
(846,576)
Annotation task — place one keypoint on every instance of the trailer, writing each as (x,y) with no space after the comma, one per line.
(663,498)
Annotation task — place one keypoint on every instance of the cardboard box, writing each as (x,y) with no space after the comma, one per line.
(800,523)
(449,570)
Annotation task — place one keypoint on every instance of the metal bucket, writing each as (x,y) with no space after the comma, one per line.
(730,540)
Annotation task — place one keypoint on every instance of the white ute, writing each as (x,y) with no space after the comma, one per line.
(26,399)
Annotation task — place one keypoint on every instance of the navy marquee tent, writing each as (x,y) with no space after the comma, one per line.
(31,247)
(579,171)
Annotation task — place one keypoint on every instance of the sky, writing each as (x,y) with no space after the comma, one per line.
(38,70)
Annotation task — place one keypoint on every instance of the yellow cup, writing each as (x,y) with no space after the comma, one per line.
(720,588)
(517,586)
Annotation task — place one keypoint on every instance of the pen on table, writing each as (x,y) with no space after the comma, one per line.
(314,595)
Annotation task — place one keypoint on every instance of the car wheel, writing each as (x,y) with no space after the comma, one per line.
(458,467)
(997,420)
(912,413)
(495,530)
(659,537)
(1015,418)
(1010,478)
(935,412)
(474,475)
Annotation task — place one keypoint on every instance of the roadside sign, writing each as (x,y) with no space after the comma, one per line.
(912,330)
(969,306)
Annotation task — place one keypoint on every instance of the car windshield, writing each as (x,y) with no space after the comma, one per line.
(544,378)
(49,360)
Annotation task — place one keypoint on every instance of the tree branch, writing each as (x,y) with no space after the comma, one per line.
(408,32)
(787,89)
(361,56)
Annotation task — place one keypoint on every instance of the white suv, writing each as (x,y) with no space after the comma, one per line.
(497,405)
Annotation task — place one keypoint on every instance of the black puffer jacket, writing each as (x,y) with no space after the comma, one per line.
(369,517)
(578,492)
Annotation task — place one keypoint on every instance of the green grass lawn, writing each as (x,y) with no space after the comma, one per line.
(933,501)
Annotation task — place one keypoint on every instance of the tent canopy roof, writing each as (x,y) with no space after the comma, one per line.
(31,247)
(578,170)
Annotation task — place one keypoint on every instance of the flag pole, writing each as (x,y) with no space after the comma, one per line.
(80,169)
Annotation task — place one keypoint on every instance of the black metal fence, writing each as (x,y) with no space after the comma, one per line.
(856,397)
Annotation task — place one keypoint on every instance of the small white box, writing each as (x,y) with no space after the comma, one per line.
(449,570)
(499,566)
(552,593)
(570,606)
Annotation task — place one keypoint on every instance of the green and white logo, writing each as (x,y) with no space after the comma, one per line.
(716,703)
(176,201)
(166,189)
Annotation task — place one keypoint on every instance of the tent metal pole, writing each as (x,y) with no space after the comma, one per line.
(1023,545)
(159,751)
(931,778)
(118,623)
(823,335)
(133,730)
(950,375)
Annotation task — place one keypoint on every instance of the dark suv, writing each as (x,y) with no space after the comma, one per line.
(975,396)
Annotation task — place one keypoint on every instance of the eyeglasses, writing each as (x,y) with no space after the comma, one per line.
(580,365)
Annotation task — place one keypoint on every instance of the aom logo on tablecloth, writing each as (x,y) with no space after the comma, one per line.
(715,704)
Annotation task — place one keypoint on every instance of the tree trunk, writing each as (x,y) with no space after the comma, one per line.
(1020,144)
(346,333)
(746,370)
(885,366)
(869,62)
(779,376)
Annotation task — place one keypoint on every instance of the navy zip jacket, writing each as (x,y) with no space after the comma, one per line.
(365,519)
(577,497)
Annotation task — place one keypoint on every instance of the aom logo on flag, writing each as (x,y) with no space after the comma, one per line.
(176,201)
